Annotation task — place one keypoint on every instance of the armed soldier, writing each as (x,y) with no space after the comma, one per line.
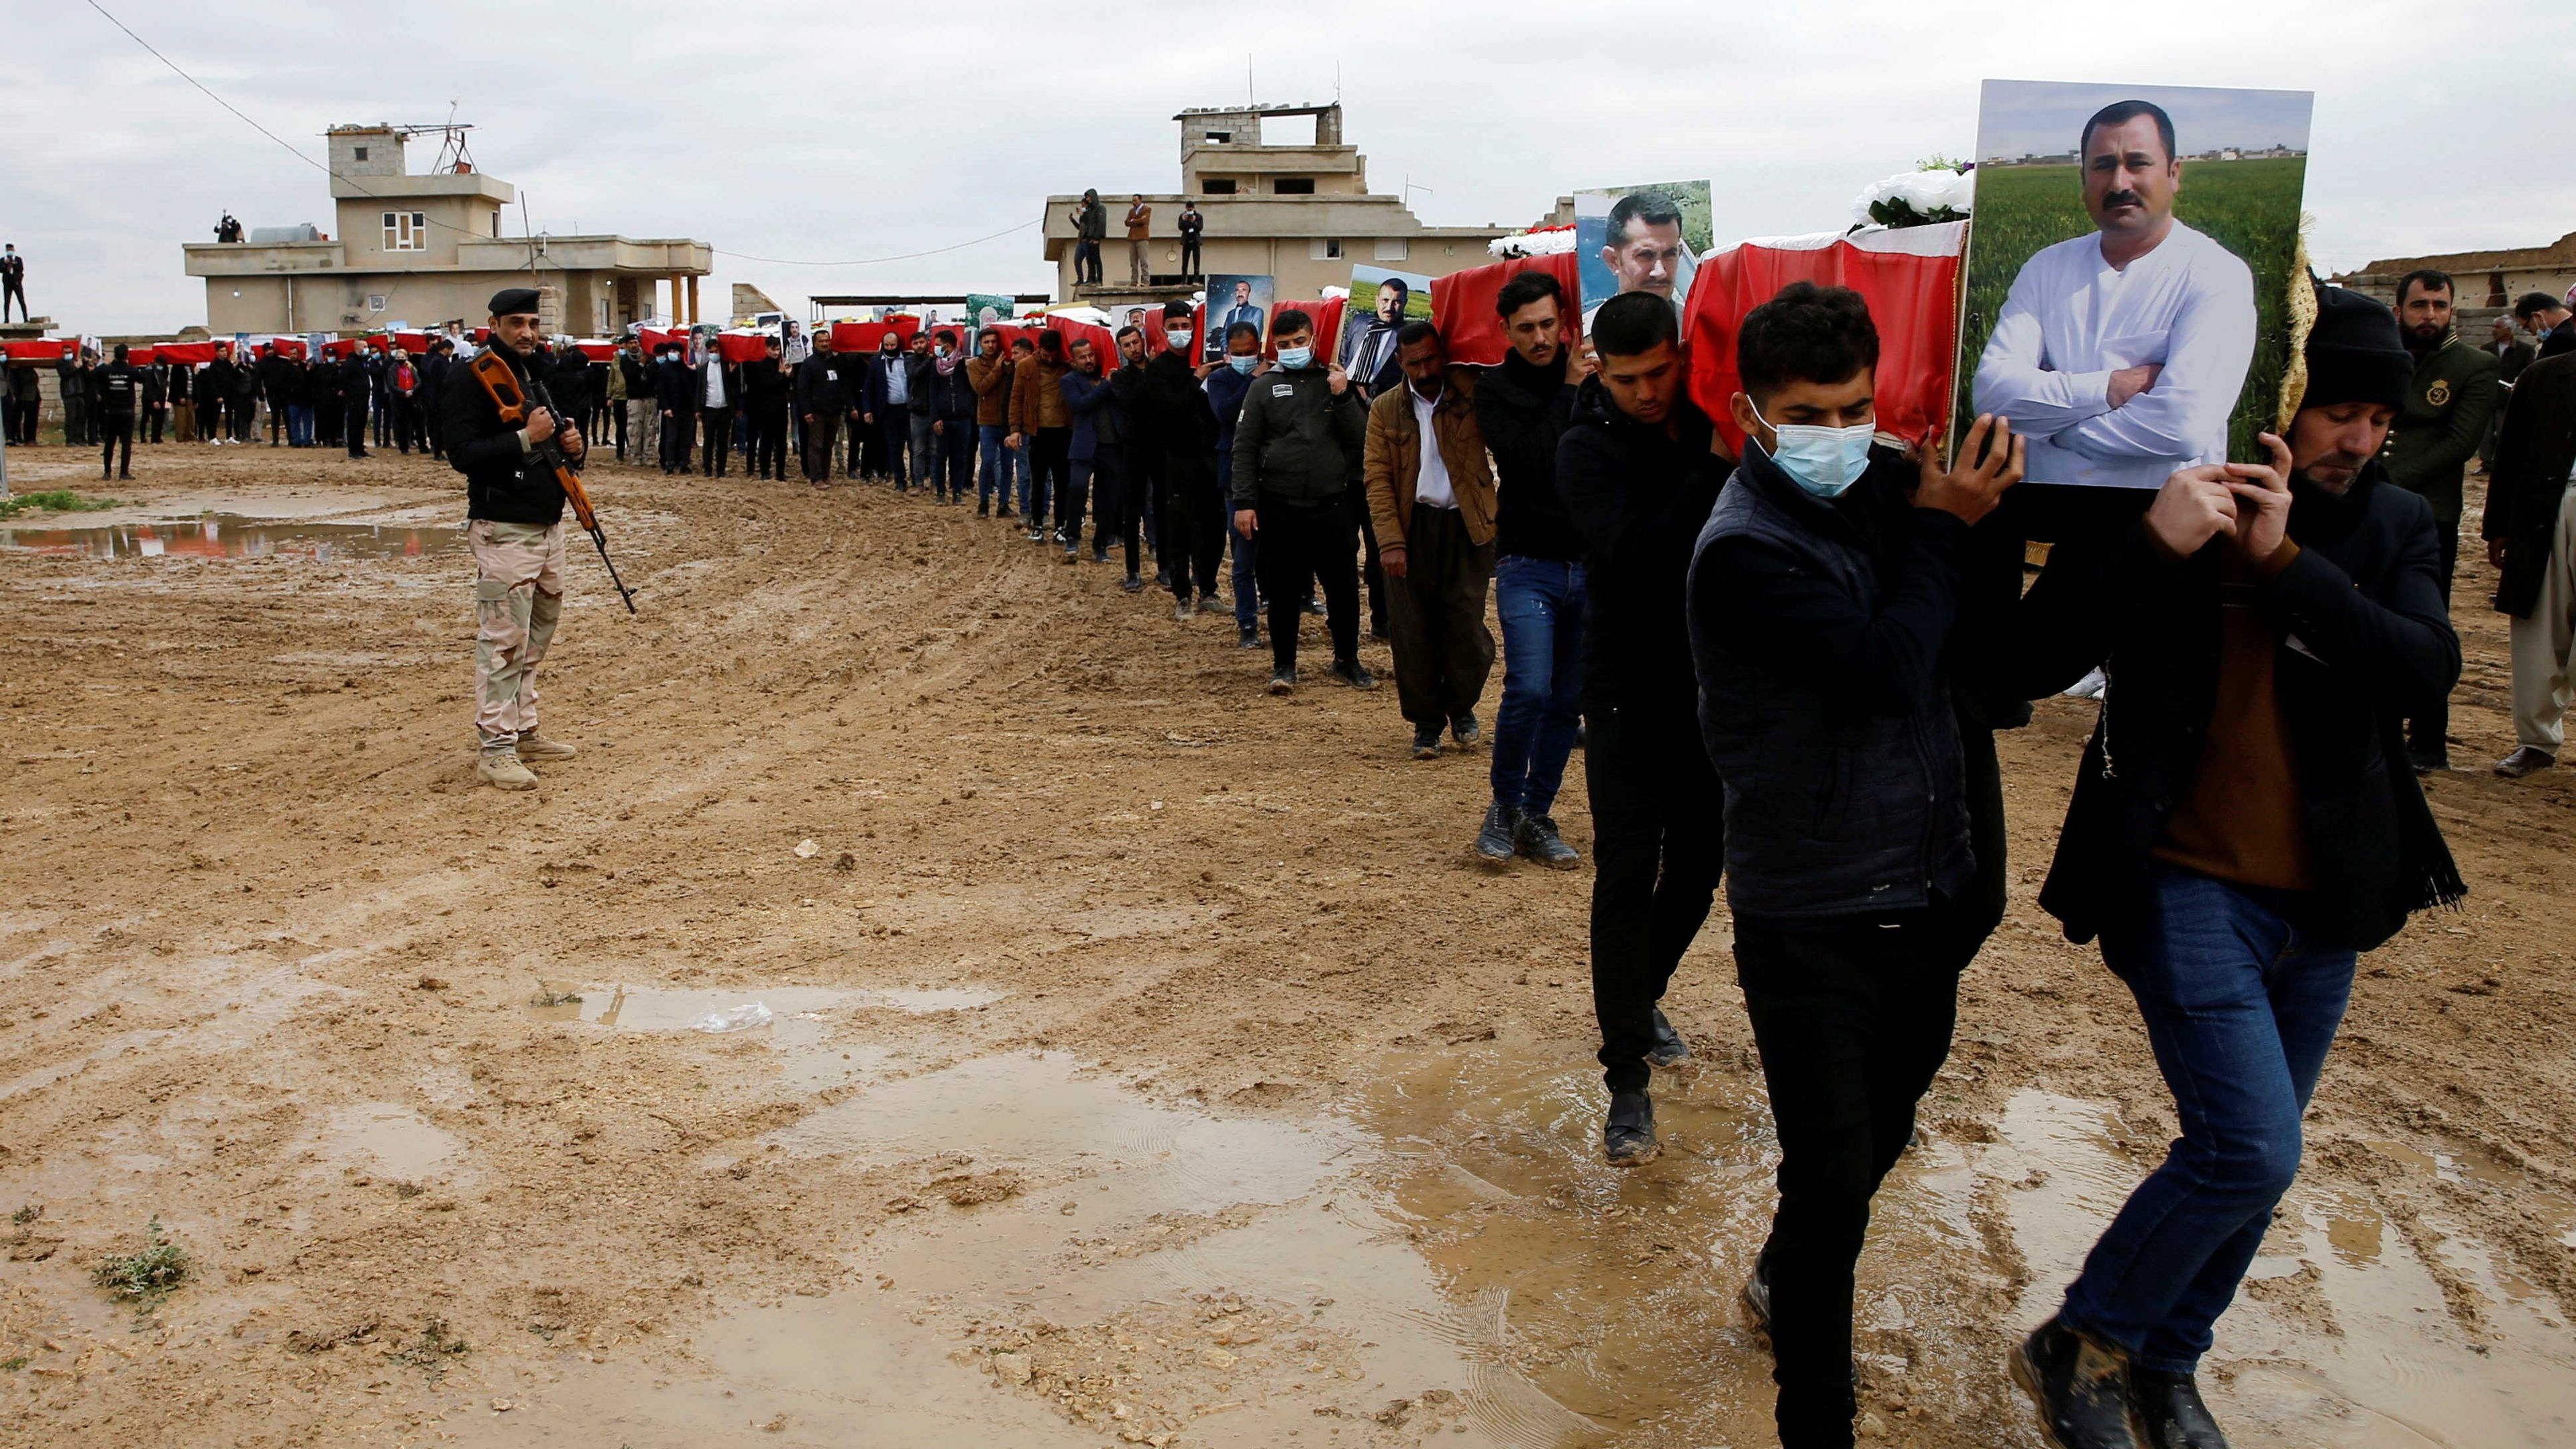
(517,534)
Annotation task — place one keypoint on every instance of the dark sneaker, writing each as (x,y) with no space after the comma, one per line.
(1628,1136)
(1162,578)
(2170,1411)
(1314,605)
(1757,1294)
(1247,637)
(1669,1048)
(1535,836)
(2429,762)
(1283,681)
(1426,742)
(2080,1388)
(1501,829)
(2528,760)
(983,510)
(1353,673)
(1132,584)
(1464,729)
(1005,512)
(1182,613)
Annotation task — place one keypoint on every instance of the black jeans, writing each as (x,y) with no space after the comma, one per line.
(1189,256)
(2428,734)
(894,433)
(679,429)
(1305,545)
(718,423)
(1658,846)
(769,442)
(1853,1017)
(115,426)
(353,421)
(1114,511)
(1050,456)
(1194,524)
(153,418)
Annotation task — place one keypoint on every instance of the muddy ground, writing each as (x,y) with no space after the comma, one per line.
(1149,1061)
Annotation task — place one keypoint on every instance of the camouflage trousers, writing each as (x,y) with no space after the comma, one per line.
(518,595)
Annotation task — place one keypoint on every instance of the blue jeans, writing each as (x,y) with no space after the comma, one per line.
(1540,603)
(997,467)
(299,424)
(2240,1008)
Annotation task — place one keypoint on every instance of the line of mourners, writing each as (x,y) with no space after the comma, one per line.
(1787,669)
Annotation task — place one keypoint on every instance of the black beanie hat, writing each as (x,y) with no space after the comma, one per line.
(2355,353)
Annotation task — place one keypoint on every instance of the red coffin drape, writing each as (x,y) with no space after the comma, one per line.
(1328,326)
(184,352)
(598,351)
(1103,340)
(863,336)
(739,346)
(50,349)
(1910,278)
(1462,304)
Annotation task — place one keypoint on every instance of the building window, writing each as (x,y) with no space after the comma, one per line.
(1219,138)
(1217,185)
(1294,186)
(1391,249)
(1325,249)
(361,153)
(406,231)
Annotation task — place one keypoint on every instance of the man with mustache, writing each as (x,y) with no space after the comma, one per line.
(2120,355)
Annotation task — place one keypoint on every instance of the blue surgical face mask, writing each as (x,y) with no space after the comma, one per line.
(1822,461)
(1293,358)
(1242,362)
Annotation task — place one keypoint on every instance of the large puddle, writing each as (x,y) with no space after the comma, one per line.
(232,535)
(1075,1262)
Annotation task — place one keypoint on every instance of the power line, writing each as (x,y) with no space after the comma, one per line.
(360,187)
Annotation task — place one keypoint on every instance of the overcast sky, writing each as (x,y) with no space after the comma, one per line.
(839,131)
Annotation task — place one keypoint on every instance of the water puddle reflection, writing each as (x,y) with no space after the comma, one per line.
(232,535)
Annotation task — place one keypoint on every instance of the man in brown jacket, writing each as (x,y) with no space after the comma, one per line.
(989,373)
(1431,500)
(1140,227)
(1042,429)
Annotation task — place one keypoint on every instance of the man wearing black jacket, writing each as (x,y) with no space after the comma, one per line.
(1296,449)
(823,392)
(1822,604)
(516,507)
(1182,429)
(1638,476)
(357,384)
(675,392)
(156,399)
(2245,822)
(1523,406)
(114,391)
(764,394)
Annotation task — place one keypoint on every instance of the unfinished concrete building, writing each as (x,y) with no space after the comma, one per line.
(423,248)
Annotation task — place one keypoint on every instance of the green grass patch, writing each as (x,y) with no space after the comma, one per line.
(147,1277)
(55,500)
(2249,207)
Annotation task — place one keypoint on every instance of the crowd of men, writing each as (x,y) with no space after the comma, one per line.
(1787,659)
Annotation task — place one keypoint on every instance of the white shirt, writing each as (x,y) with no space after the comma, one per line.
(1431,487)
(715,381)
(2071,319)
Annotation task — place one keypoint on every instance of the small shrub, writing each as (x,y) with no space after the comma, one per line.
(147,1277)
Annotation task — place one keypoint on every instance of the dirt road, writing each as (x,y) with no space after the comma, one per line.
(1149,1063)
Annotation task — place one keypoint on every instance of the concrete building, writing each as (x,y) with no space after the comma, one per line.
(2482,281)
(432,247)
(1297,210)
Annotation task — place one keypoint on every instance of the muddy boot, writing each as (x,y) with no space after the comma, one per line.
(2169,1408)
(534,746)
(2080,1387)
(1669,1048)
(1494,840)
(501,768)
(1535,836)
(1628,1137)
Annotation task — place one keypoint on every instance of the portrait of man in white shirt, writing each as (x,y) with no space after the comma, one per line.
(2120,354)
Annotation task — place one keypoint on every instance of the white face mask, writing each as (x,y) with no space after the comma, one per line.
(1179,337)
(1822,461)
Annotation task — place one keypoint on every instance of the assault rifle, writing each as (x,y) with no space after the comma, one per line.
(512,397)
